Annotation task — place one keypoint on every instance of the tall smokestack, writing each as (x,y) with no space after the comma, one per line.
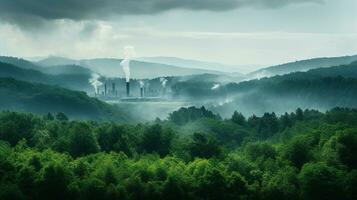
(127,89)
(105,89)
(129,52)
(113,89)
(141,88)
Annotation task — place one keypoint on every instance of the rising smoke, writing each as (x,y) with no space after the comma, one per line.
(142,84)
(215,86)
(129,52)
(163,81)
(94,81)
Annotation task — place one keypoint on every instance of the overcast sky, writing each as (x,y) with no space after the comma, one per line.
(239,32)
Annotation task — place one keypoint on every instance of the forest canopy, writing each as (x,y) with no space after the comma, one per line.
(305,154)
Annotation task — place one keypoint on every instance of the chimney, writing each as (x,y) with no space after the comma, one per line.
(105,89)
(127,89)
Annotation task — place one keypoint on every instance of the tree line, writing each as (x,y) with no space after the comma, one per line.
(194,154)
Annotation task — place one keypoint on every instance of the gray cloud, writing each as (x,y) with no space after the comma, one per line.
(26,13)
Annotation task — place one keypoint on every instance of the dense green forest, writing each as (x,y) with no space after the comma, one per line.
(194,154)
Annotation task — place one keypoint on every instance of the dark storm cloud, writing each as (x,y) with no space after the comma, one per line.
(29,12)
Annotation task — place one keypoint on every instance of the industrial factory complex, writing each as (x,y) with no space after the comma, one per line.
(110,90)
(131,90)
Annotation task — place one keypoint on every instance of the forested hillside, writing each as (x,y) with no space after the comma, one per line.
(300,155)
(39,98)
(304,65)
(322,94)
(322,88)
(19,62)
(71,77)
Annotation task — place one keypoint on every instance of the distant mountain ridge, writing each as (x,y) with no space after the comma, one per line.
(61,68)
(303,65)
(110,67)
(190,63)
(74,81)
(20,62)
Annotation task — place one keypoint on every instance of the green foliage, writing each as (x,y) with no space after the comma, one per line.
(185,115)
(238,118)
(305,155)
(345,146)
(81,140)
(41,99)
(319,181)
(298,151)
(203,146)
(60,116)
(155,139)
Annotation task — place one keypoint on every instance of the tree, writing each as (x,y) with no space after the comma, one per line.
(55,181)
(203,146)
(268,125)
(281,185)
(61,117)
(285,121)
(299,114)
(155,139)
(81,141)
(351,185)
(297,151)
(258,150)
(185,115)
(49,117)
(346,148)
(238,118)
(15,126)
(115,138)
(10,192)
(237,186)
(319,181)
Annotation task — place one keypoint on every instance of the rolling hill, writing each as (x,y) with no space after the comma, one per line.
(20,62)
(110,67)
(322,89)
(189,63)
(303,65)
(71,80)
(40,98)
(66,70)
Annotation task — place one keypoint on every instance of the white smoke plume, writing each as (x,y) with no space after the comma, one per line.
(94,81)
(163,81)
(142,84)
(129,52)
(215,86)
